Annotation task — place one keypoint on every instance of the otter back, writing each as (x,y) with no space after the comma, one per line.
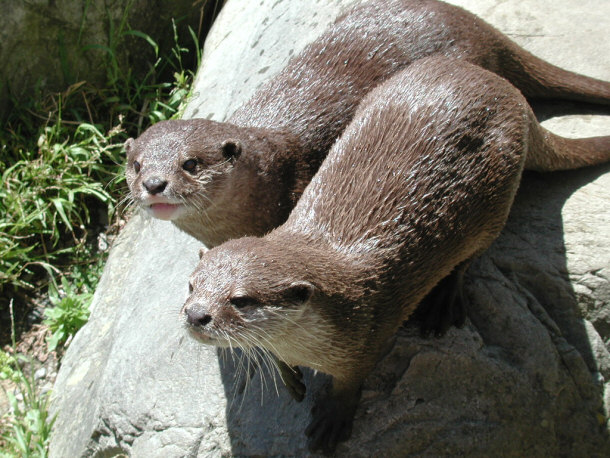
(218,181)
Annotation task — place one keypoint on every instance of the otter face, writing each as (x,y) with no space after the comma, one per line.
(178,167)
(240,298)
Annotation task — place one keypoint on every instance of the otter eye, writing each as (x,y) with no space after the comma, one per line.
(190,165)
(136,166)
(243,301)
(190,288)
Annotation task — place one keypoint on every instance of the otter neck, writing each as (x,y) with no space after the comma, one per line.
(334,273)
(388,275)
(349,298)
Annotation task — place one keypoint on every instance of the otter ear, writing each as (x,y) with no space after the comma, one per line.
(128,145)
(299,292)
(231,149)
(201,252)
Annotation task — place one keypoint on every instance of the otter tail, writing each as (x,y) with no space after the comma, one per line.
(536,78)
(549,152)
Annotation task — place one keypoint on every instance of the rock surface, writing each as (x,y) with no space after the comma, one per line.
(52,44)
(527,376)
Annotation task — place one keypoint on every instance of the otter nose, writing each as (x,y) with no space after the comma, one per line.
(195,316)
(155,185)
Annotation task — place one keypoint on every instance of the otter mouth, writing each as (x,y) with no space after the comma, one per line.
(164,210)
(204,338)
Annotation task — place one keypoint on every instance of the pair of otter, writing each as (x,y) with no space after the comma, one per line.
(421,179)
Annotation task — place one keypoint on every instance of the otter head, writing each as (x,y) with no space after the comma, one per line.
(241,295)
(176,168)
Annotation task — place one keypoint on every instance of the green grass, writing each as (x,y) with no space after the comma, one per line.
(46,198)
(26,430)
(61,163)
(29,423)
(63,177)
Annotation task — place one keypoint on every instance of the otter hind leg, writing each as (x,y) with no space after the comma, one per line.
(445,305)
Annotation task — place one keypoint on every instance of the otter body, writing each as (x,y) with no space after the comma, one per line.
(421,181)
(218,181)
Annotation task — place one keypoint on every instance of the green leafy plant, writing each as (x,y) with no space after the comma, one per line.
(28,429)
(7,367)
(144,100)
(25,431)
(47,196)
(61,169)
(52,191)
(69,313)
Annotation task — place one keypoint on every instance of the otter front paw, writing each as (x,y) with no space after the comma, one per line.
(293,380)
(331,423)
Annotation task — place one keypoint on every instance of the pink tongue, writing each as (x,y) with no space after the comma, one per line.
(163,211)
(163,207)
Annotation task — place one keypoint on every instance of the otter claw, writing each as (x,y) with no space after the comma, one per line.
(293,380)
(329,426)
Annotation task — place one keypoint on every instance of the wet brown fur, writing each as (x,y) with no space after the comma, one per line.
(288,126)
(421,180)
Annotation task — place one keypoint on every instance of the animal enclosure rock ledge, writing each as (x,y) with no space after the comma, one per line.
(51,45)
(528,375)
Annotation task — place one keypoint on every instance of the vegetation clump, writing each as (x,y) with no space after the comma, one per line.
(61,204)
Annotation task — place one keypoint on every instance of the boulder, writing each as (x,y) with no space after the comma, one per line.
(528,375)
(49,45)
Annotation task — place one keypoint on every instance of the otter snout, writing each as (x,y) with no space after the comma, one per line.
(196,315)
(155,185)
(209,326)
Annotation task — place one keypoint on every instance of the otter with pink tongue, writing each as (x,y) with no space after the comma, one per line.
(222,180)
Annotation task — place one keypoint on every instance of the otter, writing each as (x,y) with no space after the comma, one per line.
(420,182)
(222,180)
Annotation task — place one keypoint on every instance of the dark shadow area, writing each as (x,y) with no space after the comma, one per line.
(544,195)
(547,109)
(259,406)
(538,270)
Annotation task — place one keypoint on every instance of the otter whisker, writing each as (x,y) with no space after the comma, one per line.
(241,381)
(192,203)
(248,352)
(269,358)
(241,370)
(202,209)
(245,364)
(126,198)
(209,203)
(257,349)
(270,365)
(269,346)
(246,347)
(125,204)
(284,314)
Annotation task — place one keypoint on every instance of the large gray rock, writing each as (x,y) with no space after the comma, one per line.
(52,44)
(527,376)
